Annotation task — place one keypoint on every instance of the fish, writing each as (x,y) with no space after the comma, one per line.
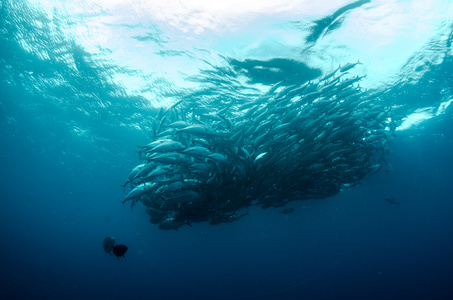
(138,191)
(198,130)
(211,116)
(330,74)
(197,151)
(161,124)
(260,156)
(226,218)
(133,174)
(169,146)
(108,244)
(172,224)
(153,144)
(391,201)
(200,167)
(159,171)
(287,211)
(173,106)
(157,219)
(169,158)
(156,213)
(178,124)
(166,133)
(217,157)
(172,187)
(145,169)
(180,197)
(119,250)
(348,66)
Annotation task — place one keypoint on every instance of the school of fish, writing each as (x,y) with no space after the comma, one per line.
(210,160)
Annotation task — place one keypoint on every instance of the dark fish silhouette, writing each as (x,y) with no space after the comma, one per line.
(119,250)
(172,224)
(108,244)
(296,140)
(227,218)
(287,210)
(391,201)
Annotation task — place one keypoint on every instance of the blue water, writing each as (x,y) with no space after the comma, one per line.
(80,83)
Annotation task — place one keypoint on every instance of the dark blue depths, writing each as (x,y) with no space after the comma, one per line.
(60,199)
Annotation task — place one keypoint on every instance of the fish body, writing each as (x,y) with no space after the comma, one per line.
(159,171)
(201,167)
(226,218)
(108,244)
(197,151)
(183,196)
(170,158)
(133,174)
(139,190)
(198,130)
(172,187)
(329,75)
(168,147)
(178,125)
(287,211)
(391,201)
(260,156)
(119,250)
(172,224)
(348,66)
(144,170)
(154,144)
(217,157)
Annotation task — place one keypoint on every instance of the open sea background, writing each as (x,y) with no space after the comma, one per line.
(81,80)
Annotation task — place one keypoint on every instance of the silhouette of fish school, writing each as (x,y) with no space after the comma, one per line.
(109,247)
(209,160)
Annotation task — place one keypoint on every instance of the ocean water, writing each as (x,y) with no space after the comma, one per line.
(82,82)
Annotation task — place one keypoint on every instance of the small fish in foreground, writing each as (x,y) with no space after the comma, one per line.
(391,201)
(119,250)
(109,246)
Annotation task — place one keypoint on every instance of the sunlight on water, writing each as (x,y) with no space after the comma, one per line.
(157,38)
(423,114)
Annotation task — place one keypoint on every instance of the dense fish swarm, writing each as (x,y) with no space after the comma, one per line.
(209,161)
